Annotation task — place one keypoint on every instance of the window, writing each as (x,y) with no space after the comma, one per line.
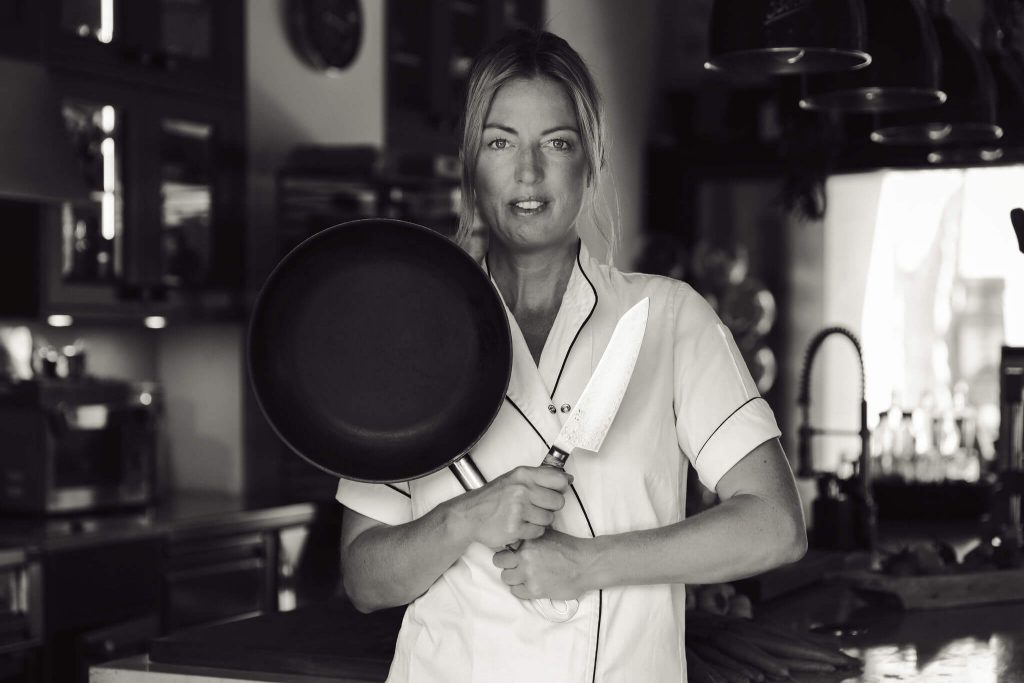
(943,290)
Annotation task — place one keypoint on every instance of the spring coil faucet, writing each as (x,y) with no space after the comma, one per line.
(805,462)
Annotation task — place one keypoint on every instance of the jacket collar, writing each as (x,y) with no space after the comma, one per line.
(531,386)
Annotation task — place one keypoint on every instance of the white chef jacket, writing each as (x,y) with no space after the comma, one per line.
(691,398)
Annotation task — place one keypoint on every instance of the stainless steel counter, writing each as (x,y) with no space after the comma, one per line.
(181,515)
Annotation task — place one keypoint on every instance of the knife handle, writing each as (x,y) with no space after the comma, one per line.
(556,458)
(553,610)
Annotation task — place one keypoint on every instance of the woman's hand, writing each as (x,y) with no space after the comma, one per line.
(518,505)
(551,566)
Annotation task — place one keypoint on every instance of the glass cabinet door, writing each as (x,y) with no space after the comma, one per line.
(190,44)
(198,42)
(89,20)
(186,177)
(199,168)
(186,29)
(92,30)
(91,233)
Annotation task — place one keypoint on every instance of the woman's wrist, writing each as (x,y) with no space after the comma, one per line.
(456,529)
(595,572)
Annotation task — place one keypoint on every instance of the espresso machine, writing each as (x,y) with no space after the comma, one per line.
(1009,469)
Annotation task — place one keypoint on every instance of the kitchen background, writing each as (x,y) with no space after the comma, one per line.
(211,139)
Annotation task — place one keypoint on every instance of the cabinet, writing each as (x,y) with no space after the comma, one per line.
(150,92)
(164,226)
(192,45)
(430,46)
(99,603)
(215,579)
(20,29)
(20,619)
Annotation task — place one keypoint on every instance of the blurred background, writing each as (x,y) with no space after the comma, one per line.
(160,156)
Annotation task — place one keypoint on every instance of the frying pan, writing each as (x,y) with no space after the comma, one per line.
(380,352)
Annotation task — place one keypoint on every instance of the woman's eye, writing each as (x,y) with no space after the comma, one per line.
(498,143)
(560,145)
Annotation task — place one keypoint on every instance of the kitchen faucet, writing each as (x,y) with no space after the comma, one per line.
(866,512)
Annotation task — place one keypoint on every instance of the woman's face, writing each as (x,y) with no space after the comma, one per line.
(531,170)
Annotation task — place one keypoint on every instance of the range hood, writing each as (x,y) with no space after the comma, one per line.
(36,161)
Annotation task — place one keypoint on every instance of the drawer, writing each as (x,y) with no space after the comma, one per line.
(217,579)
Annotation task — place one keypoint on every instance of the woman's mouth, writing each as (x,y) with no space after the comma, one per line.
(527,207)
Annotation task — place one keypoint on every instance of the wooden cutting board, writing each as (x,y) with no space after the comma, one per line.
(942,590)
(811,568)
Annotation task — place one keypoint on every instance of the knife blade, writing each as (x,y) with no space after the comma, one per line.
(589,420)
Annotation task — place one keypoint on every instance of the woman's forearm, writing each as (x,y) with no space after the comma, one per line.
(386,566)
(740,537)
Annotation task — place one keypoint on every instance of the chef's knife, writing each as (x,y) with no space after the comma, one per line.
(592,416)
(589,421)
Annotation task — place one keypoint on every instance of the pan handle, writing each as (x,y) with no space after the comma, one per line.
(469,476)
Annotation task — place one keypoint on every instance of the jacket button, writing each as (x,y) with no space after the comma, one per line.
(551,408)
(566,407)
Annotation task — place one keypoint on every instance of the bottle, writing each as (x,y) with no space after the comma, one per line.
(967,465)
(922,423)
(904,450)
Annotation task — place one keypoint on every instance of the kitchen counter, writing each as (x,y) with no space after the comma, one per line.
(182,515)
(105,584)
(981,643)
(335,643)
(326,642)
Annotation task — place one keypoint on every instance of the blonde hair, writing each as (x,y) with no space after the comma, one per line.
(531,54)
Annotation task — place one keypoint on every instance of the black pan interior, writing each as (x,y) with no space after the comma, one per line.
(379,350)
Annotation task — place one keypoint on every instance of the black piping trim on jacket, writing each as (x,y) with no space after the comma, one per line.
(600,592)
(597,639)
(722,423)
(535,430)
(404,493)
(579,248)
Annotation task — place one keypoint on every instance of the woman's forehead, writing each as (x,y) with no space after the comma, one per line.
(532,99)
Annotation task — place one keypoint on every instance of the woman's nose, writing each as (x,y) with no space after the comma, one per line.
(529,166)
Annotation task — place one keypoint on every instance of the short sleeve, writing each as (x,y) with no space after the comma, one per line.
(720,415)
(387,503)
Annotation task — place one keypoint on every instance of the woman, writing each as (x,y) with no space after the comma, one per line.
(610,530)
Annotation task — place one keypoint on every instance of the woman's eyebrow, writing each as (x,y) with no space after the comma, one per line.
(499,126)
(549,131)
